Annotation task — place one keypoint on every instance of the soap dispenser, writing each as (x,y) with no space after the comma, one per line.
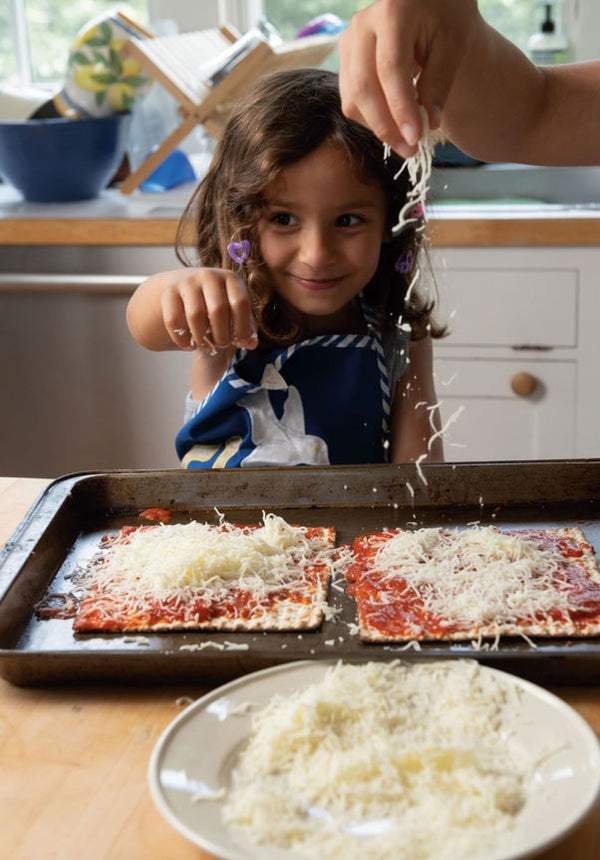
(547,47)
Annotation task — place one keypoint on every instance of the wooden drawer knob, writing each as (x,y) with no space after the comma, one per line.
(523,384)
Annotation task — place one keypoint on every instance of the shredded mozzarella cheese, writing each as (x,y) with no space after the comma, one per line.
(419,168)
(195,554)
(477,576)
(389,761)
(174,563)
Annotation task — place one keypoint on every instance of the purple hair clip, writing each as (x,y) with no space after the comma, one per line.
(239,251)
(404,262)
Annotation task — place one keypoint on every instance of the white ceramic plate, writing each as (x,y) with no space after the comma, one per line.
(195,756)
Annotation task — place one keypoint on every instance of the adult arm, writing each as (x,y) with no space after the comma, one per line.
(501,107)
(481,89)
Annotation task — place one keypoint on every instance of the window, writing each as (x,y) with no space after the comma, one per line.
(35,36)
(516,19)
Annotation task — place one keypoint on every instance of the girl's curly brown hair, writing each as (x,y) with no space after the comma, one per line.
(283,118)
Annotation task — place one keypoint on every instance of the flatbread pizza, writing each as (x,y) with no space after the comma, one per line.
(198,576)
(473,583)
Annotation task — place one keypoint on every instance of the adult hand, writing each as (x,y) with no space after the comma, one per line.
(388,46)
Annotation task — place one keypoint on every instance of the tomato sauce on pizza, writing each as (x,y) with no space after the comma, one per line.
(272,576)
(438,584)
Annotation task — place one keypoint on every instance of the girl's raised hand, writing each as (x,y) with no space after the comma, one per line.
(208,309)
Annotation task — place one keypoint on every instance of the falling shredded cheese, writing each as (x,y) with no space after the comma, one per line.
(420,472)
(451,420)
(419,168)
(389,761)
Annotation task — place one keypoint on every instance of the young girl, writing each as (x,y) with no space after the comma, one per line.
(311,342)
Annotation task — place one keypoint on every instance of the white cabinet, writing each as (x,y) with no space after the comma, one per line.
(523,352)
(78,393)
(497,424)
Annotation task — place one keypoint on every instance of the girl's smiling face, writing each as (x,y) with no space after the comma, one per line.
(320,236)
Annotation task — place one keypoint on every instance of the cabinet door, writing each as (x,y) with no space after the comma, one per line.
(496,423)
(509,307)
(78,393)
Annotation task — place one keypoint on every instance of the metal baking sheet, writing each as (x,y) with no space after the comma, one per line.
(64,527)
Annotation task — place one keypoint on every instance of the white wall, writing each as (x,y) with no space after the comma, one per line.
(581,24)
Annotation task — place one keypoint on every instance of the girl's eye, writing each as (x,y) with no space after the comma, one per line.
(284,219)
(348,220)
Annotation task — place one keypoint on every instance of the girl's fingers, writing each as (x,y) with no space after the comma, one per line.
(243,324)
(197,315)
(174,317)
(218,311)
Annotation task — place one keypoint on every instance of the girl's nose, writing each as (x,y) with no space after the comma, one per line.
(316,247)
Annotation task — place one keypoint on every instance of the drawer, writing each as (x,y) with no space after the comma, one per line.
(494,422)
(482,377)
(509,307)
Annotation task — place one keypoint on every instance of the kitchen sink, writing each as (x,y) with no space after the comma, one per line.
(571,187)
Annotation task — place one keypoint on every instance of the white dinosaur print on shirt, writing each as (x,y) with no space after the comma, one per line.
(280,441)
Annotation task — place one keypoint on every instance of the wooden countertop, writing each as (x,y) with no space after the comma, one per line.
(151,219)
(461,230)
(73,759)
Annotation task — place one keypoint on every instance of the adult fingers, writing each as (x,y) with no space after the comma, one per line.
(436,78)
(396,68)
(377,66)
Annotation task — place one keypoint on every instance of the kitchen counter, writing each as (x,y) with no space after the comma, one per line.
(151,219)
(73,759)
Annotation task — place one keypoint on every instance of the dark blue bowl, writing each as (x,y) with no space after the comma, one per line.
(56,160)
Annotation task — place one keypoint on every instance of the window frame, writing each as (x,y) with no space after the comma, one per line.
(581,24)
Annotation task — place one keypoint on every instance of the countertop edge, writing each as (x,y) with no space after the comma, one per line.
(456,231)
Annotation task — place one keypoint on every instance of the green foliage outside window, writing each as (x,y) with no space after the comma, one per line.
(52,25)
(516,19)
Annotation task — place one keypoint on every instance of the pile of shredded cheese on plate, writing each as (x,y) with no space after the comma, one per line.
(388,761)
